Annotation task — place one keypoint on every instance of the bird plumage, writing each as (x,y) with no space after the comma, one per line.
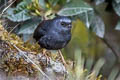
(53,34)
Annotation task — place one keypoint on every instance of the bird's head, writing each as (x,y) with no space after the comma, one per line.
(63,21)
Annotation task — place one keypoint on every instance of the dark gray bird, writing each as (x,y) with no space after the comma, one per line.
(54,34)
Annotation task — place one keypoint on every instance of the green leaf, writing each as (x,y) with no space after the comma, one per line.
(117,1)
(29,26)
(114,73)
(116,7)
(22,5)
(75,8)
(63,2)
(53,2)
(42,3)
(97,2)
(18,17)
(118,25)
(86,17)
(98,26)
(20,13)
(27,1)
(99,64)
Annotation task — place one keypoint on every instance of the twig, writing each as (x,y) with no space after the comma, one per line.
(62,58)
(4,5)
(7,8)
(23,53)
(14,28)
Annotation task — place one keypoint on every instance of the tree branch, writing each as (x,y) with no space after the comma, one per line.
(113,50)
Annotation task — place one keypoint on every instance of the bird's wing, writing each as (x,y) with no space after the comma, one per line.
(51,42)
(41,30)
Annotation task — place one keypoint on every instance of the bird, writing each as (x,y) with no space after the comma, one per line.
(53,34)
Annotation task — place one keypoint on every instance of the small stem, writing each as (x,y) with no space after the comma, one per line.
(7,8)
(13,28)
(63,60)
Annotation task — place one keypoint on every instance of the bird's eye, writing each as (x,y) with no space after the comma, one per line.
(63,24)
